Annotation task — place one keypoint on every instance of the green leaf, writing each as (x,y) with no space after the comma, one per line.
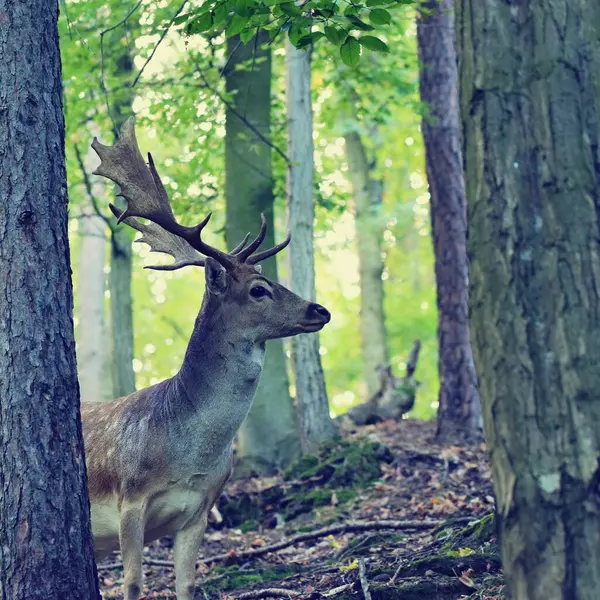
(334,35)
(359,24)
(351,10)
(182,18)
(237,25)
(247,35)
(309,39)
(350,51)
(241,8)
(373,43)
(377,2)
(290,8)
(380,16)
(220,14)
(203,23)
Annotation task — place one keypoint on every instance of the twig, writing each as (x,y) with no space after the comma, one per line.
(348,527)
(160,39)
(245,121)
(338,590)
(88,187)
(364,583)
(268,593)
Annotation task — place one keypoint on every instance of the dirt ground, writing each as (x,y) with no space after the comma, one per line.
(419,530)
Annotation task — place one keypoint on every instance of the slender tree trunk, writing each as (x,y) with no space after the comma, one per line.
(121,312)
(368,200)
(269,437)
(459,411)
(121,259)
(92,355)
(46,549)
(311,394)
(530,104)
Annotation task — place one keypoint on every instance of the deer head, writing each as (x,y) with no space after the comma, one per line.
(257,308)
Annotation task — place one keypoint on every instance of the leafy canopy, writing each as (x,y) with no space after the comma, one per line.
(347,24)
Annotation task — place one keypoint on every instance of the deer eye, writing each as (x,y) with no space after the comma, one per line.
(259,291)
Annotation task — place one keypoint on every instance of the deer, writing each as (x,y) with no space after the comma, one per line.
(159,458)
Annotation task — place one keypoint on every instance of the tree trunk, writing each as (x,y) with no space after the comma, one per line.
(368,200)
(269,437)
(121,312)
(530,104)
(46,549)
(459,411)
(121,256)
(311,394)
(92,355)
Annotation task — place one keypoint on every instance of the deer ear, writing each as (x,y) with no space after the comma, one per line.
(215,276)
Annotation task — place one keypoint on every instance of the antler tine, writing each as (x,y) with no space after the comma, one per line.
(256,242)
(258,257)
(160,240)
(145,194)
(240,246)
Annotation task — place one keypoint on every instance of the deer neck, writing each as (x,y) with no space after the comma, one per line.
(219,374)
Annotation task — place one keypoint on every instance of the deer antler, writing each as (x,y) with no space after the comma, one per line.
(146,197)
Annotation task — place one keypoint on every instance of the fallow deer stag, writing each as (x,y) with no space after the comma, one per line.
(158,459)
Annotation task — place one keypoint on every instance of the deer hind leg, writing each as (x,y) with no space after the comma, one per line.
(185,553)
(131,538)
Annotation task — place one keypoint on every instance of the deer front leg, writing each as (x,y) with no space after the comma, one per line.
(185,553)
(131,538)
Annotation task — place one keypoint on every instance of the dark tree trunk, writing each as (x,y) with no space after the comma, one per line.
(459,412)
(530,104)
(268,439)
(46,545)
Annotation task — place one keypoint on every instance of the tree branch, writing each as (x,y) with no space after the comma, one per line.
(348,527)
(102,34)
(245,121)
(162,37)
(88,188)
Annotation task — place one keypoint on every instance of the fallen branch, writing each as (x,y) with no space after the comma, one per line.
(349,527)
(268,593)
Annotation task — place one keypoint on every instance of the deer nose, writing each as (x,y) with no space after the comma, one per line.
(318,312)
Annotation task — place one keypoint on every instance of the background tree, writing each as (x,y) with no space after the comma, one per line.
(269,437)
(46,549)
(459,411)
(311,394)
(93,339)
(367,188)
(530,111)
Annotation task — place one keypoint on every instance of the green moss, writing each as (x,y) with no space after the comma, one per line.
(342,463)
(477,534)
(234,578)
(249,525)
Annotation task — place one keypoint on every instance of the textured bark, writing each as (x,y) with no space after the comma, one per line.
(315,423)
(269,436)
(92,355)
(530,104)
(368,198)
(121,260)
(46,549)
(459,411)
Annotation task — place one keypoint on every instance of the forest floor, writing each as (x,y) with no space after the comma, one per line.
(384,514)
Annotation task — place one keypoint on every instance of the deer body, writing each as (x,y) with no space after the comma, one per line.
(158,459)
